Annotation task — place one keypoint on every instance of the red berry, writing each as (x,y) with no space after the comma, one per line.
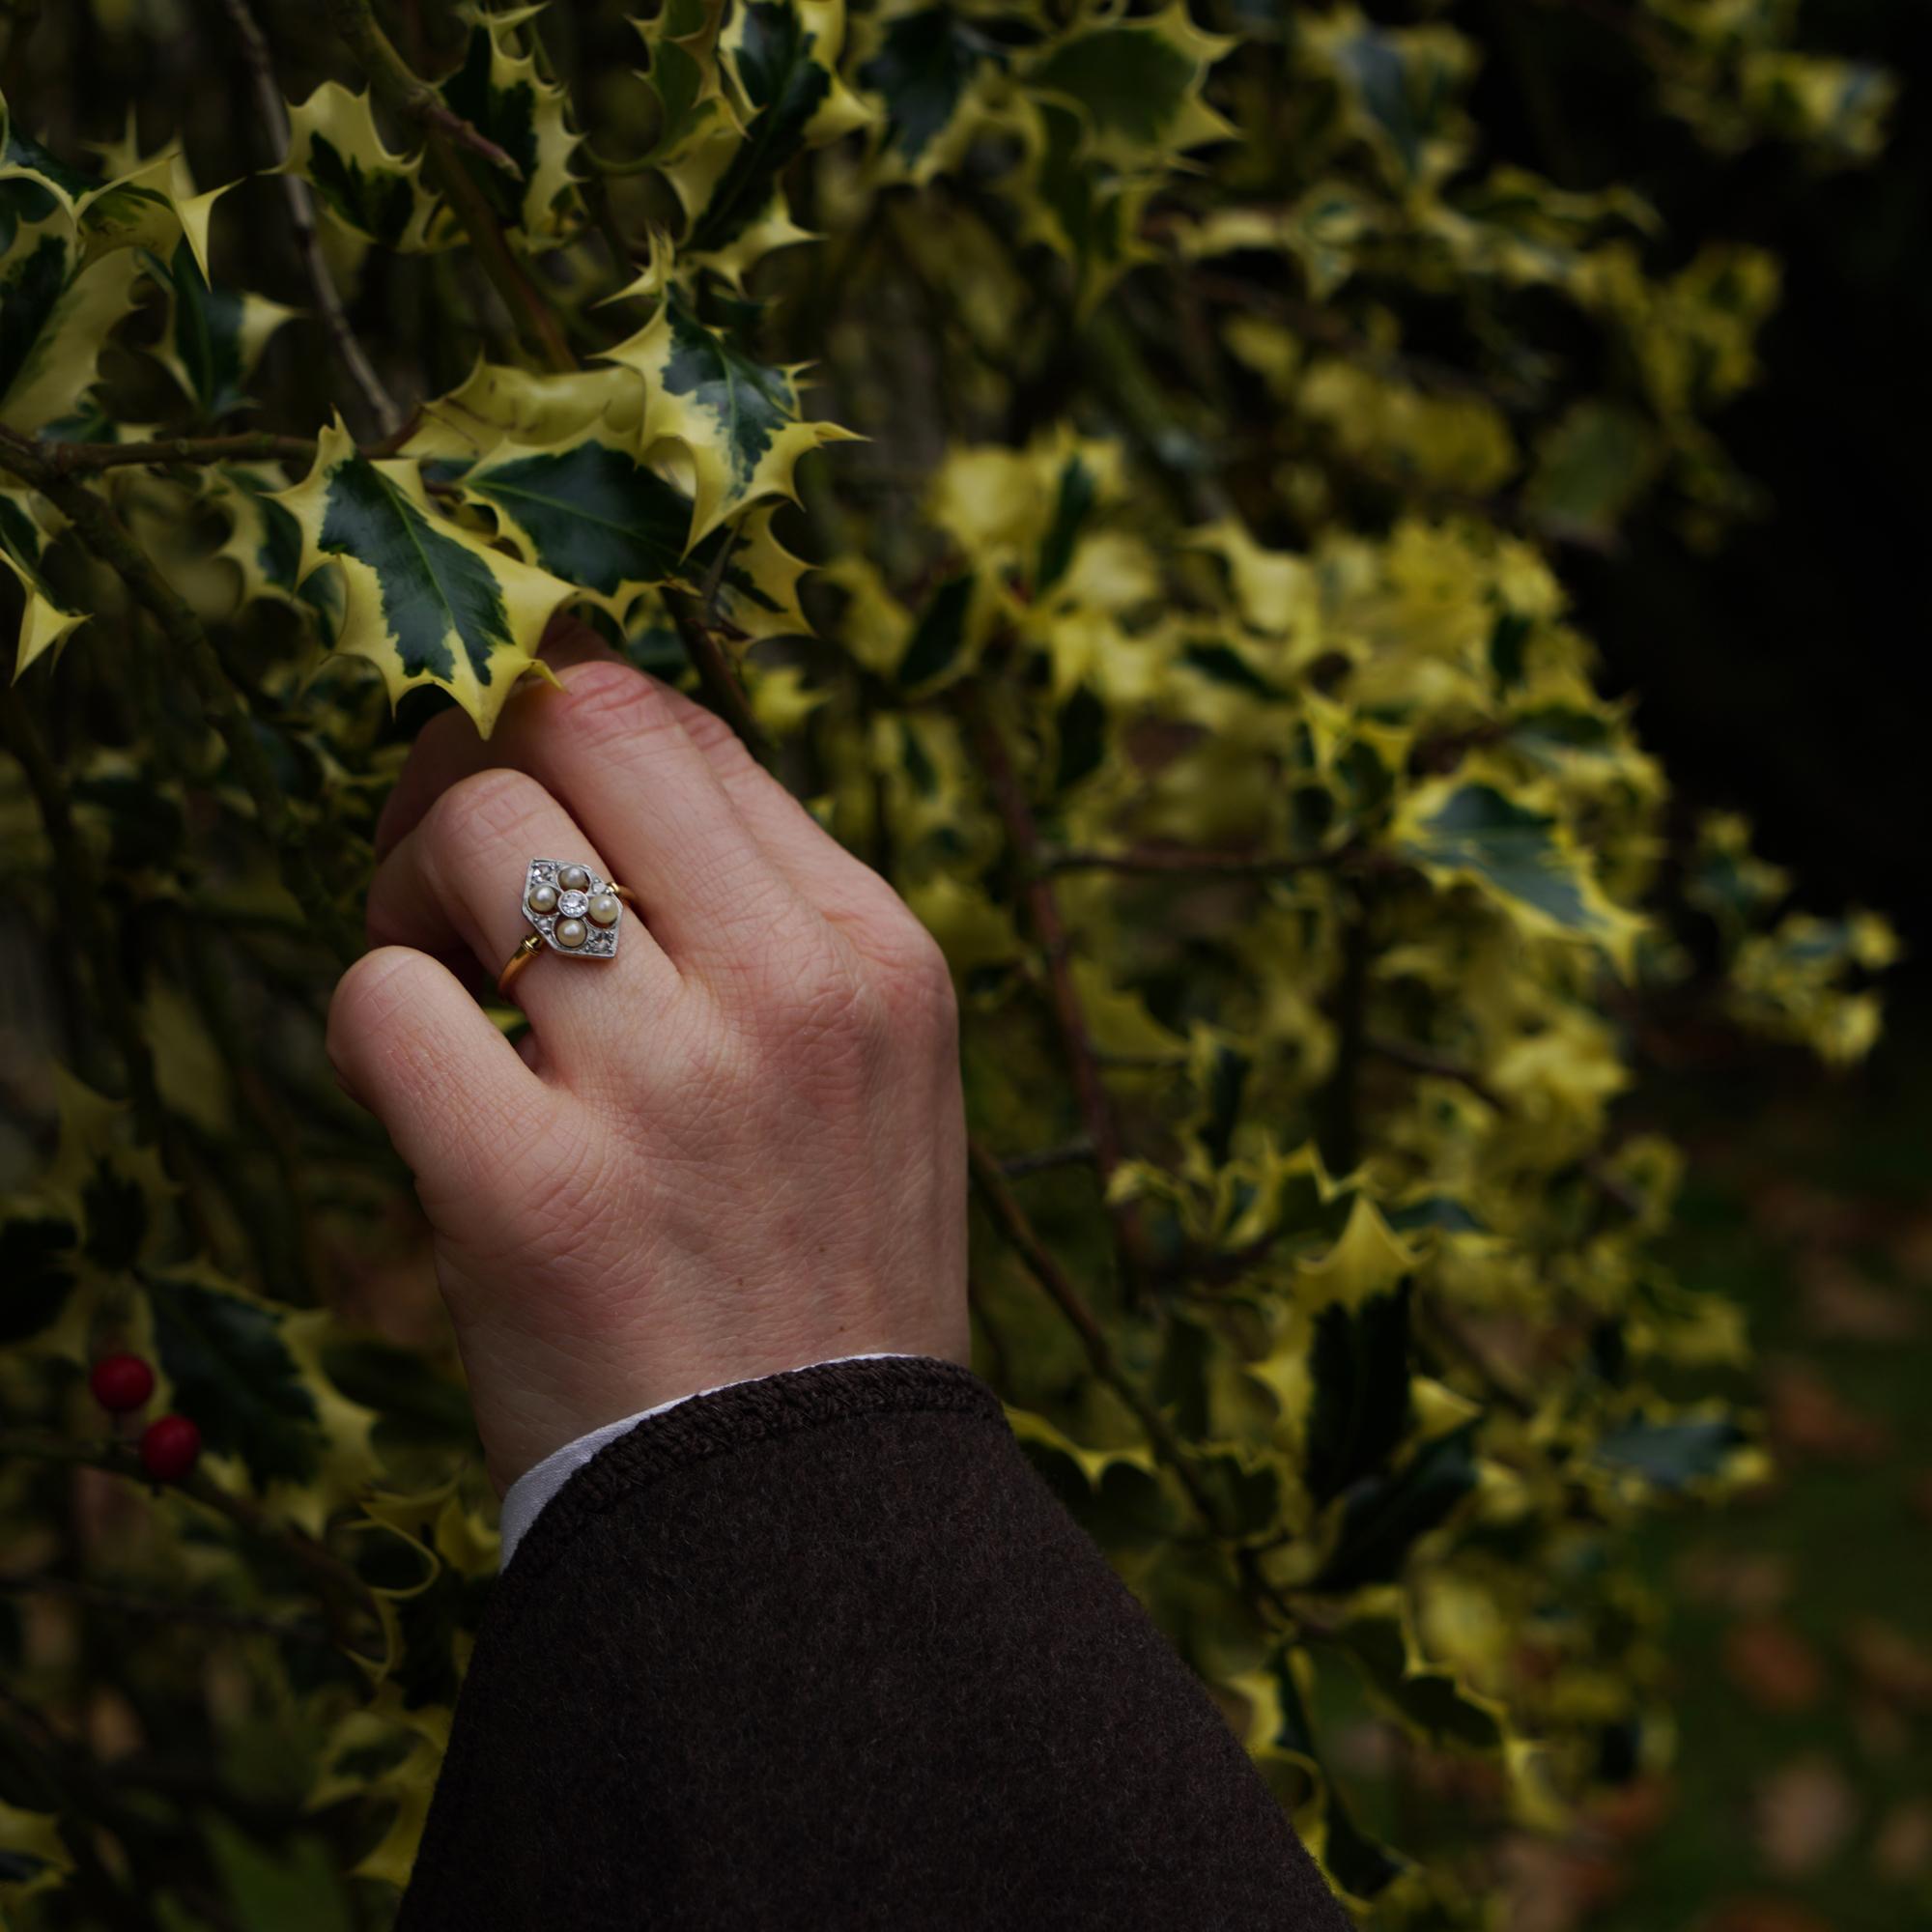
(169,1445)
(121,1382)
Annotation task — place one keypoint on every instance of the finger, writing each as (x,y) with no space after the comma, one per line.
(609,747)
(412,1045)
(457,881)
(448,747)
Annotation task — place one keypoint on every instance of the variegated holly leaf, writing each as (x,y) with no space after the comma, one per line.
(737,417)
(1482,829)
(496,402)
(1088,214)
(502,95)
(56,313)
(756,588)
(44,624)
(264,545)
(684,79)
(424,600)
(781,58)
(587,511)
(1428,1699)
(1136,85)
(215,336)
(34,1856)
(334,144)
(922,65)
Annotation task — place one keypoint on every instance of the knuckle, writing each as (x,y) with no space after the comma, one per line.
(497,801)
(604,702)
(913,979)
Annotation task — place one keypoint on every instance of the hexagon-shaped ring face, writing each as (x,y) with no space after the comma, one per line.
(577,913)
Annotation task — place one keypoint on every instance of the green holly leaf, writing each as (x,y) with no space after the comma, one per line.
(588,512)
(1382,1520)
(927,61)
(233,1370)
(45,623)
(424,600)
(1428,1699)
(215,336)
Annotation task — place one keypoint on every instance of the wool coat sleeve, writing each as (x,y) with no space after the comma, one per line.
(822,1651)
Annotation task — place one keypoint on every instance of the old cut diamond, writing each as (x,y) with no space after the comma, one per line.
(572,905)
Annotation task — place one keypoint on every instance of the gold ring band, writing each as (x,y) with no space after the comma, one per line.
(558,903)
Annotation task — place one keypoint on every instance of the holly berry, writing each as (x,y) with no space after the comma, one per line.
(121,1382)
(169,1445)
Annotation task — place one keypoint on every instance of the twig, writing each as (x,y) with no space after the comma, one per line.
(1420,1060)
(1049,929)
(443,132)
(160,1609)
(1075,1154)
(105,534)
(1188,861)
(337,1583)
(405,91)
(715,675)
(275,117)
(82,458)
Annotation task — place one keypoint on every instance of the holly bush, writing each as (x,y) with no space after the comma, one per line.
(1120,467)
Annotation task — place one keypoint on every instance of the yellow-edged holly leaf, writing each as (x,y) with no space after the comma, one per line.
(424,600)
(755,590)
(924,61)
(685,80)
(333,145)
(215,336)
(155,208)
(502,95)
(781,57)
(1480,828)
(56,314)
(737,417)
(34,1857)
(1136,85)
(496,401)
(44,624)
(1427,1699)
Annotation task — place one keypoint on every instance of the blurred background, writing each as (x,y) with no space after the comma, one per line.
(1786,676)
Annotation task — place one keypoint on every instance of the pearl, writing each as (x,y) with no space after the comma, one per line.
(543,898)
(574,879)
(604,909)
(571,933)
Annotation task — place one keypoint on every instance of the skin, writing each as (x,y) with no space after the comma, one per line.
(736,1147)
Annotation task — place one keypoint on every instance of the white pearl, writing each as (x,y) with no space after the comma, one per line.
(574,879)
(571,933)
(604,909)
(543,898)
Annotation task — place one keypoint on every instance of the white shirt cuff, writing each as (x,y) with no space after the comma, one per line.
(526,1498)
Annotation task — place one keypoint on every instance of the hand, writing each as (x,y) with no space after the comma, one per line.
(738,1147)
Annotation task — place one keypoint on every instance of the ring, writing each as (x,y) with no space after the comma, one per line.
(572,911)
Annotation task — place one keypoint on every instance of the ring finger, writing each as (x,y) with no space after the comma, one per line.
(454,884)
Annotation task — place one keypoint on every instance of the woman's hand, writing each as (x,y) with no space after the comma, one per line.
(738,1147)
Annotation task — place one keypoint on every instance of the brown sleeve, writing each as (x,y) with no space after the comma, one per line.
(824,1651)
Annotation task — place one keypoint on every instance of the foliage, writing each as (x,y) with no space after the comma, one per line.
(1187,640)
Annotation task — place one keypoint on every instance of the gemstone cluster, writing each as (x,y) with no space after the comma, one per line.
(574,910)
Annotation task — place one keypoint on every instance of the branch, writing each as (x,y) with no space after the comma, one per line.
(406,90)
(336,1582)
(1420,1060)
(1075,1154)
(105,534)
(1188,861)
(444,132)
(275,117)
(82,458)
(159,1610)
(1049,929)
(715,675)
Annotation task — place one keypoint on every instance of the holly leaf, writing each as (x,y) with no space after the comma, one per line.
(684,79)
(424,600)
(1468,828)
(34,1857)
(737,417)
(588,512)
(45,623)
(502,95)
(56,314)
(214,335)
(496,402)
(1383,1518)
(1428,1699)
(1136,84)
(756,590)
(335,146)
(781,58)
(926,62)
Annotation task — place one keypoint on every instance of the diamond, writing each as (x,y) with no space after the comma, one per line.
(572,905)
